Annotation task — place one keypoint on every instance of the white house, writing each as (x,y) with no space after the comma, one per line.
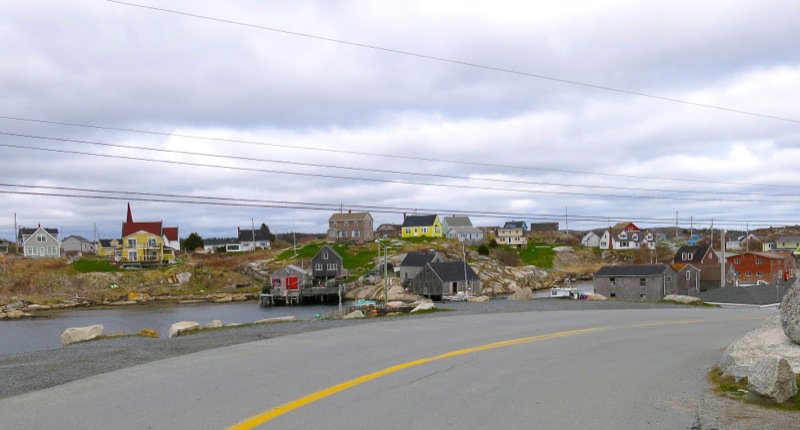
(40,242)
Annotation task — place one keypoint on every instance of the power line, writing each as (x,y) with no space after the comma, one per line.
(463,63)
(384,171)
(122,195)
(380,180)
(389,156)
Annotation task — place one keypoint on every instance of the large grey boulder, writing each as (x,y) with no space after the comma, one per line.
(790,313)
(772,379)
(424,305)
(523,294)
(681,299)
(81,334)
(741,355)
(183,277)
(180,328)
(357,314)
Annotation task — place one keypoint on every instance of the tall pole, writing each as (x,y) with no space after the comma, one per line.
(385,273)
(464,253)
(676,225)
(691,226)
(566,218)
(16,234)
(722,262)
(253,226)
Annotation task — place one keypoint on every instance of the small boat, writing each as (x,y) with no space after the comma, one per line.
(565,292)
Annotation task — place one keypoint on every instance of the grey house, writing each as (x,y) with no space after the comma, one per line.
(687,279)
(635,281)
(452,221)
(77,244)
(440,279)
(39,242)
(413,263)
(327,264)
(4,245)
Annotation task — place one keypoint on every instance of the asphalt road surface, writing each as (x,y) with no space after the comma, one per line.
(622,369)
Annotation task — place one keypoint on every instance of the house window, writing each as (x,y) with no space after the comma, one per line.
(41,238)
(132,255)
(749,273)
(131,243)
(52,251)
(759,275)
(324,255)
(688,275)
(612,281)
(332,266)
(408,231)
(151,243)
(613,294)
(737,261)
(32,250)
(623,244)
(318,267)
(424,230)
(759,261)
(416,230)
(643,281)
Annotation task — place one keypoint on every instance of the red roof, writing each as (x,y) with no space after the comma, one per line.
(129,228)
(171,233)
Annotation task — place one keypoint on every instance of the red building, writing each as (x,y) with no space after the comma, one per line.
(752,267)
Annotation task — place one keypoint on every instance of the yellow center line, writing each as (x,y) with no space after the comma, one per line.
(285,408)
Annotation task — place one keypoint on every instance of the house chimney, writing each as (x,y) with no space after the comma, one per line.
(404,216)
(349,211)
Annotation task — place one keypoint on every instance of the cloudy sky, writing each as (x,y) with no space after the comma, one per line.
(249,118)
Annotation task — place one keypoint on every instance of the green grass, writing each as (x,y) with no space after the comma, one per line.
(736,389)
(85,265)
(537,255)
(304,252)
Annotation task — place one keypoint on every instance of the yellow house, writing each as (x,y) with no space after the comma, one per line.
(421,226)
(109,249)
(145,242)
(142,247)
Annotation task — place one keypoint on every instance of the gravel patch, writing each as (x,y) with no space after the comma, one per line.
(32,371)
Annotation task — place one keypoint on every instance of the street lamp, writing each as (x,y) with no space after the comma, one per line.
(466,282)
(385,269)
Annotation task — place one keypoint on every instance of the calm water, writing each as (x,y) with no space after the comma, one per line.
(44,333)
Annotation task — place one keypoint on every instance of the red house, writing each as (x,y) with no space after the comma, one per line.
(752,267)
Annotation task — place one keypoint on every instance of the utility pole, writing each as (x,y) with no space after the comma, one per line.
(16,234)
(712,234)
(676,225)
(566,218)
(722,261)
(253,225)
(691,226)
(464,253)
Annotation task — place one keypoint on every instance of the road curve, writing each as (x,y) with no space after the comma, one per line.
(556,370)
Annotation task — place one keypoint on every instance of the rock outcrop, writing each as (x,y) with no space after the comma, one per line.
(424,305)
(214,324)
(81,334)
(522,295)
(740,356)
(182,327)
(790,313)
(771,378)
(681,299)
(276,320)
(357,314)
(479,299)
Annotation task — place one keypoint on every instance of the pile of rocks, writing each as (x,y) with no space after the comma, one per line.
(13,311)
(769,357)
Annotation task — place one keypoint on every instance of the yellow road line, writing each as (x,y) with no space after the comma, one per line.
(273,413)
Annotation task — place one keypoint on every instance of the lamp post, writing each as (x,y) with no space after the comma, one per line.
(466,282)
(385,269)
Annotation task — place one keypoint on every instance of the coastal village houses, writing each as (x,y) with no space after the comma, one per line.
(327,264)
(421,226)
(4,246)
(413,263)
(461,229)
(704,259)
(110,249)
(635,281)
(245,241)
(769,267)
(350,227)
(626,235)
(39,242)
(148,242)
(449,278)
(75,244)
(513,233)
(387,231)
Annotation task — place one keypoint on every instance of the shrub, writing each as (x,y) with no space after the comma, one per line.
(507,257)
(483,249)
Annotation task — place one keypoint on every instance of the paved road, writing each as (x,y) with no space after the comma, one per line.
(634,369)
